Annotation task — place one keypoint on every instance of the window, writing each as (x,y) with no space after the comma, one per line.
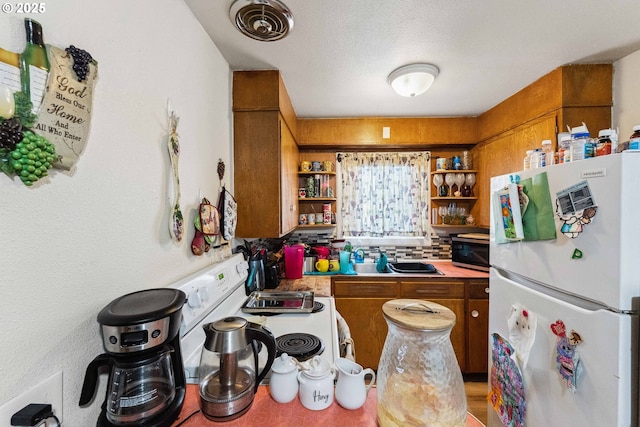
(384,195)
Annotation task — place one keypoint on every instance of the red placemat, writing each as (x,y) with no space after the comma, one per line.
(270,413)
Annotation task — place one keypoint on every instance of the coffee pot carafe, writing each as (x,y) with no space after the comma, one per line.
(228,369)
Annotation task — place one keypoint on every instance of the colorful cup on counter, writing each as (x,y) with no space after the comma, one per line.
(311,219)
(441,163)
(316,166)
(302,219)
(327,166)
(305,166)
(322,265)
(334,265)
(302,193)
(319,217)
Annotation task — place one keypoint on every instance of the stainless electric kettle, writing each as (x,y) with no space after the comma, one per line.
(228,368)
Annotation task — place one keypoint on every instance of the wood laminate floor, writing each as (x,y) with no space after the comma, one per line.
(476,399)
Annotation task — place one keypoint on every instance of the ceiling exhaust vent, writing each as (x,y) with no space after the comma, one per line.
(263,20)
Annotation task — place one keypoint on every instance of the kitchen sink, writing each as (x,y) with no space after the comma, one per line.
(397,267)
(368,268)
(412,267)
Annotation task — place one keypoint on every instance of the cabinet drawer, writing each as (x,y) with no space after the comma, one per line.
(432,289)
(478,289)
(353,288)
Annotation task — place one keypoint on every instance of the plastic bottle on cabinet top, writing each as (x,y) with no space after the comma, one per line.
(607,142)
(536,159)
(527,160)
(581,146)
(564,153)
(549,154)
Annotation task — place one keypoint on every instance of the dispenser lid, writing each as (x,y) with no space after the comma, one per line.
(419,314)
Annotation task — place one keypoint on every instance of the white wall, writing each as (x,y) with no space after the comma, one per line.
(77,241)
(626,95)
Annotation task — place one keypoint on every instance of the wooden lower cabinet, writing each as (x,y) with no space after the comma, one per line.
(449,293)
(477,326)
(360,303)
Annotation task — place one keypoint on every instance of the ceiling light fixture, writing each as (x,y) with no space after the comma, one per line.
(413,79)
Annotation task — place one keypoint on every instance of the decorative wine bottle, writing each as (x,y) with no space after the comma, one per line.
(34,64)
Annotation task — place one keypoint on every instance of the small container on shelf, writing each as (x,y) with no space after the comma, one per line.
(467,160)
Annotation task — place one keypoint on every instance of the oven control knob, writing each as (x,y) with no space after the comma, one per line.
(204,293)
(194,300)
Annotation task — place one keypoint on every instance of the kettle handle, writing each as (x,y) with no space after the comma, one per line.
(91,378)
(256,332)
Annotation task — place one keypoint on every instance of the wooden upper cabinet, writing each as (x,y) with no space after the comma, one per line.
(265,155)
(263,90)
(424,132)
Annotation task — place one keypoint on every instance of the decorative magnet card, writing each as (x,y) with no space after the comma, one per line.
(508,205)
(507,394)
(522,325)
(567,357)
(576,207)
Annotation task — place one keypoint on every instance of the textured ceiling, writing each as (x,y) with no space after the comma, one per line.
(336,60)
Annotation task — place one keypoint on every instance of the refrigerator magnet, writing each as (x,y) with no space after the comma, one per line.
(507,394)
(575,206)
(573,223)
(568,361)
(508,202)
(522,325)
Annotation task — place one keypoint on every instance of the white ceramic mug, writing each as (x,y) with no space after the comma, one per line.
(316,385)
(351,388)
(283,384)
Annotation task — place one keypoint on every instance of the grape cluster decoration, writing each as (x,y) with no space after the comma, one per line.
(32,157)
(10,133)
(81,60)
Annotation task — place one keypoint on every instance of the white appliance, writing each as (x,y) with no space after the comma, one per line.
(218,291)
(591,283)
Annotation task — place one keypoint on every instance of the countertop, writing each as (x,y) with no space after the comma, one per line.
(268,413)
(321,285)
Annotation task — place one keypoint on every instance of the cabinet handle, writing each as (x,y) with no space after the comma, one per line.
(475,313)
(486,290)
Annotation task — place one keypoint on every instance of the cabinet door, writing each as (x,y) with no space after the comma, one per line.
(288,179)
(478,339)
(257,166)
(449,294)
(367,325)
(360,303)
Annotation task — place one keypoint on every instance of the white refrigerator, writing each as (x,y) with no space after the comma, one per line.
(563,311)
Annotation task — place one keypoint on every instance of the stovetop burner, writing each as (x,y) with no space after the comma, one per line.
(299,345)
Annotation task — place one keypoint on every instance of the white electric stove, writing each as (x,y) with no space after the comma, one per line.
(218,291)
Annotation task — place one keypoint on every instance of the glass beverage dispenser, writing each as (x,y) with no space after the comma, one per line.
(419,379)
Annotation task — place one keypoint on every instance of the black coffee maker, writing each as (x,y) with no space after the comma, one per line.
(141,336)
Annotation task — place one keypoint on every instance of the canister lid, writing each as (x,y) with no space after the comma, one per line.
(419,314)
(283,364)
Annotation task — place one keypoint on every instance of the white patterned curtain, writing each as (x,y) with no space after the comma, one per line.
(385,194)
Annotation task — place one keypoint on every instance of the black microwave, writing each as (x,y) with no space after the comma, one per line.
(470,251)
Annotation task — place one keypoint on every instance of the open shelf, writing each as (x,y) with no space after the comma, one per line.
(316,173)
(454,198)
(317,199)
